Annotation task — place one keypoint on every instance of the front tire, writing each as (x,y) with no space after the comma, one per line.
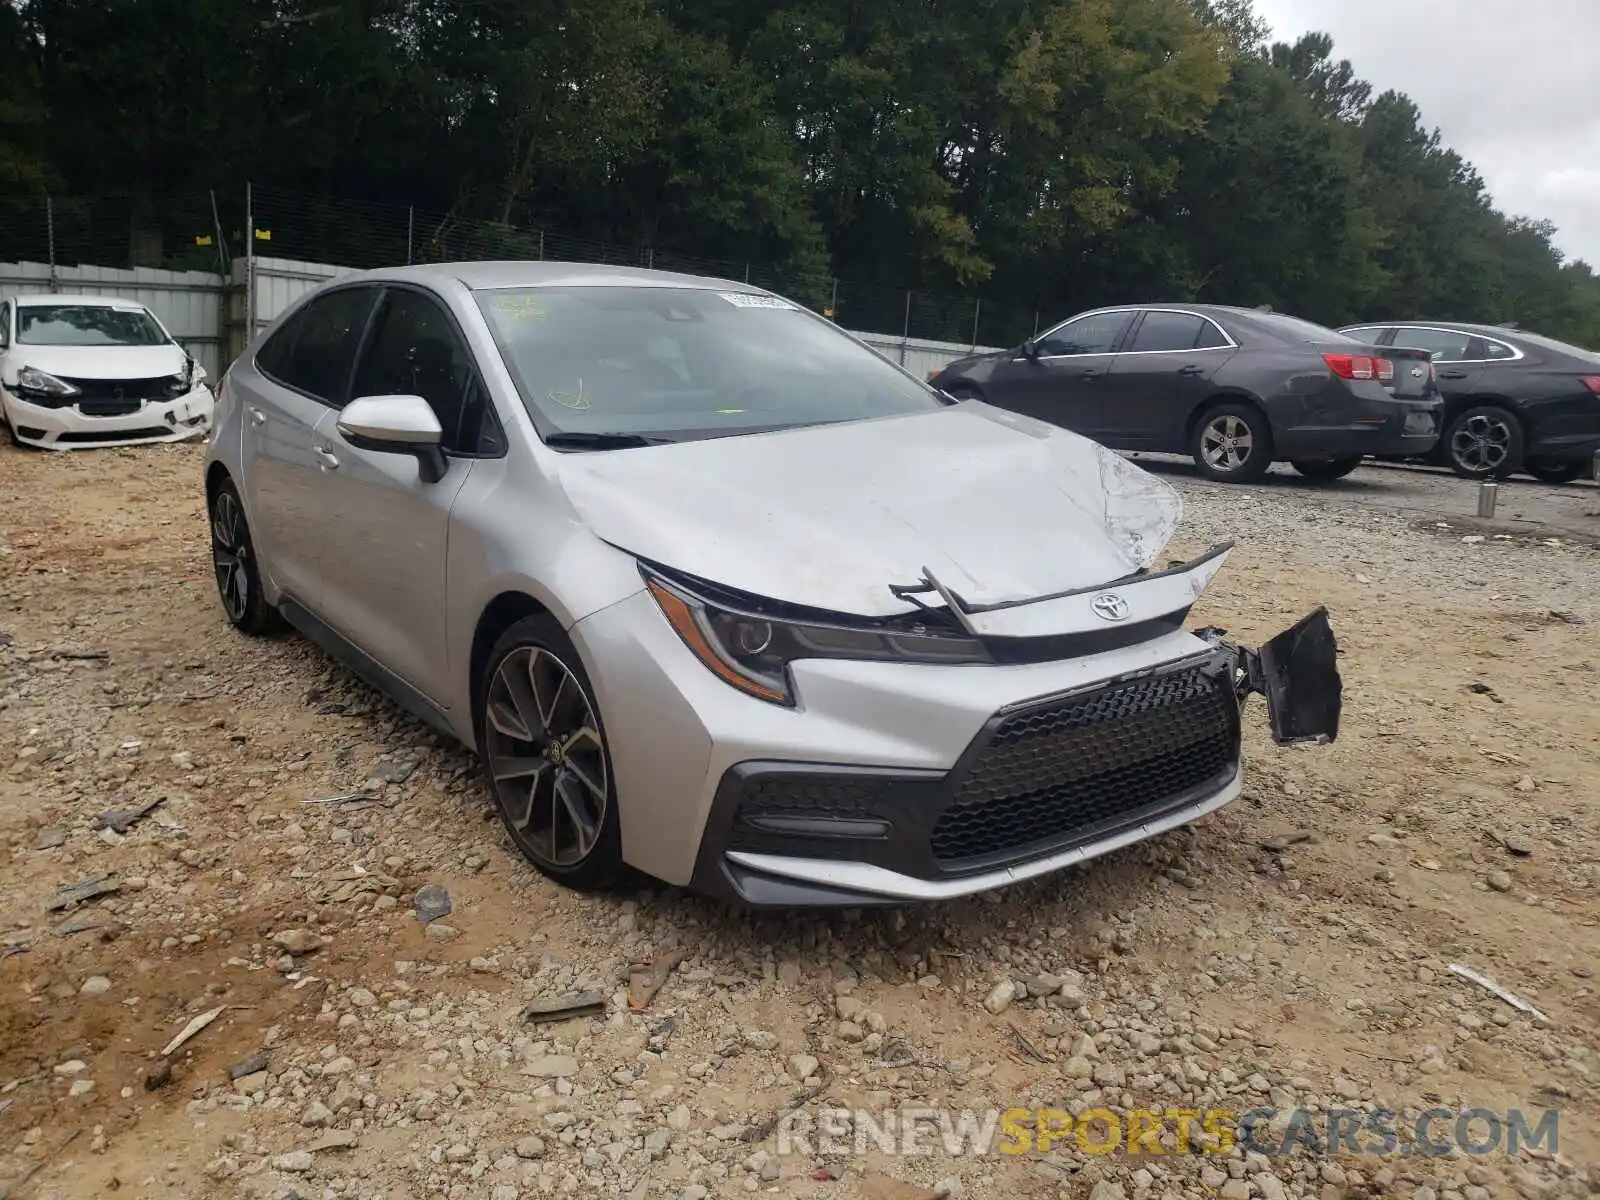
(1556,470)
(1232,443)
(1484,442)
(237,568)
(1327,468)
(549,765)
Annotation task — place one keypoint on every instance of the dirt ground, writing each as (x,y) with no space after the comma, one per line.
(1455,821)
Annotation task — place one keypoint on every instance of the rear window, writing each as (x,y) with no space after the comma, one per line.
(87,325)
(1295,330)
(1544,343)
(680,363)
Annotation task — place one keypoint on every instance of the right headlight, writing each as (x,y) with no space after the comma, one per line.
(752,652)
(31,379)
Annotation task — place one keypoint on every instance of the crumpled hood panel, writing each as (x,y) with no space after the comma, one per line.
(101,362)
(999,507)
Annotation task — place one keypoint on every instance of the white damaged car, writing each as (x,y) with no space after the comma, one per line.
(84,371)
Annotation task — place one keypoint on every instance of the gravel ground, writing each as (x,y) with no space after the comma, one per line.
(1291,950)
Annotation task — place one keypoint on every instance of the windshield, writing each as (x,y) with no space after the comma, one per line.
(680,363)
(86,325)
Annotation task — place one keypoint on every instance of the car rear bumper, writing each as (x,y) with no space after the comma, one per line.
(52,428)
(1382,429)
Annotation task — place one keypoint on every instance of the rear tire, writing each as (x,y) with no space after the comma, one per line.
(1556,470)
(237,567)
(544,748)
(1232,443)
(1483,442)
(1327,468)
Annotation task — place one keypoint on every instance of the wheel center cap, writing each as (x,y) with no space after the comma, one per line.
(556,753)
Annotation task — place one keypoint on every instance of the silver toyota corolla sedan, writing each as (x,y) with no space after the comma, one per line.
(720,594)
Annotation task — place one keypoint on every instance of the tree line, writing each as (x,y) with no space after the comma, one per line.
(1051,154)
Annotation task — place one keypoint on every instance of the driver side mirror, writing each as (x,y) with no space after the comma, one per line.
(396,425)
(1030,349)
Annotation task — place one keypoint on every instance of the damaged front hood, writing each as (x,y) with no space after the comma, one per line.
(103,362)
(1000,508)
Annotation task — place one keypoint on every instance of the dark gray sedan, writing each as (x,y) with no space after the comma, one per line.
(1239,389)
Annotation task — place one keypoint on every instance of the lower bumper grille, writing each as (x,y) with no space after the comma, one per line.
(1074,768)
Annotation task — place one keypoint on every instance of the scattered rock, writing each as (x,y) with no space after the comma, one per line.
(1000,997)
(431,903)
(552,1066)
(298,941)
(95,985)
(1500,881)
(49,837)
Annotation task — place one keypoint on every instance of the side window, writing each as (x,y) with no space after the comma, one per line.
(414,351)
(1211,336)
(1371,334)
(5,325)
(273,357)
(1497,350)
(326,333)
(1167,331)
(1442,344)
(1096,333)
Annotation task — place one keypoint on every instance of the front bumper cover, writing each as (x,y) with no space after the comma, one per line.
(802,834)
(64,427)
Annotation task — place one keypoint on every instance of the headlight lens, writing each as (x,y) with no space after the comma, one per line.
(31,379)
(752,652)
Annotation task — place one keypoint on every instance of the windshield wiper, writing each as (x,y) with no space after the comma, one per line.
(584,440)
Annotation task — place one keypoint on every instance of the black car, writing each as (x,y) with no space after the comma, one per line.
(1237,388)
(1514,401)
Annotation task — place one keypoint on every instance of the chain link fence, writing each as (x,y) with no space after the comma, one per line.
(207,231)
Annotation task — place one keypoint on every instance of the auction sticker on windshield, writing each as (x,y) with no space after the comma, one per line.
(747,300)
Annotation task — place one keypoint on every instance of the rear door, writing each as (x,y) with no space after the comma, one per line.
(299,375)
(1065,383)
(1164,370)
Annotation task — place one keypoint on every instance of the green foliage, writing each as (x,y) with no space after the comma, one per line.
(1050,154)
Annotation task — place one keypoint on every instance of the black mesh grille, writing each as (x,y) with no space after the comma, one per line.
(159,388)
(1091,762)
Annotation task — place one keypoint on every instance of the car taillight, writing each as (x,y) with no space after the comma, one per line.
(1385,370)
(1357,366)
(1592,382)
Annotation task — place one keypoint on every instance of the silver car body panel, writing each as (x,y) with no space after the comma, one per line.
(1024,522)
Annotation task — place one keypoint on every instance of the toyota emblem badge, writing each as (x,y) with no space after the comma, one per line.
(1109,606)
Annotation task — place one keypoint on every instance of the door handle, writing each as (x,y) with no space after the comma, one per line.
(1092,374)
(257,416)
(1191,369)
(330,460)
(1451,374)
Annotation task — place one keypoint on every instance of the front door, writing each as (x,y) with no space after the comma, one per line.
(383,558)
(1064,383)
(1164,371)
(296,379)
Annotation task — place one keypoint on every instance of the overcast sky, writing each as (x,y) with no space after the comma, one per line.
(1512,86)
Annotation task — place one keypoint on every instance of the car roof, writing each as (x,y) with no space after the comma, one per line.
(40,298)
(488,276)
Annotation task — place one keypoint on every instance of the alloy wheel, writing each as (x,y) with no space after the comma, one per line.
(1481,443)
(546,756)
(1226,443)
(230,553)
